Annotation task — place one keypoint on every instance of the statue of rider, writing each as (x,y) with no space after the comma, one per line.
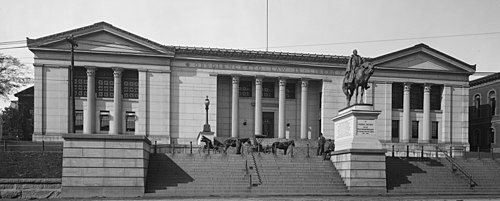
(352,65)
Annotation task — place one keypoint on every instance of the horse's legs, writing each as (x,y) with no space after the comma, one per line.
(284,150)
(362,95)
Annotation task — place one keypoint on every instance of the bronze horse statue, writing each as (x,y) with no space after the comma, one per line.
(282,145)
(362,74)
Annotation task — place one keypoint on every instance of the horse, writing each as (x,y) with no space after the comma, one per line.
(282,145)
(208,144)
(362,75)
(234,142)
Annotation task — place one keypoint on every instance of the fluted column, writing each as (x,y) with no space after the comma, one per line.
(117,99)
(281,108)
(406,113)
(89,111)
(426,134)
(234,106)
(258,105)
(303,110)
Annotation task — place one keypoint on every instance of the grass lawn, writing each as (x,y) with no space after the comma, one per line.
(30,164)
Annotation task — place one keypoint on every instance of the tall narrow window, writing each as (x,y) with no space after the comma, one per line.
(477,104)
(80,82)
(105,85)
(416,96)
(290,91)
(434,130)
(395,128)
(130,122)
(414,129)
(397,96)
(130,84)
(245,88)
(104,120)
(493,103)
(79,120)
(436,92)
(268,89)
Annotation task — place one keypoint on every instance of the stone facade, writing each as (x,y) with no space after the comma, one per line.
(300,92)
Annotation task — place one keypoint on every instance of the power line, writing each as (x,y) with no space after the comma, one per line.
(7,48)
(383,40)
(12,42)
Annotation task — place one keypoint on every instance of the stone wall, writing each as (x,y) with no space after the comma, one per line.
(30,188)
(104,165)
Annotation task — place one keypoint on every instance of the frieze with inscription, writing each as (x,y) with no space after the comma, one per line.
(262,68)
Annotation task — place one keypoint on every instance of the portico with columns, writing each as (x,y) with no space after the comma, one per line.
(420,91)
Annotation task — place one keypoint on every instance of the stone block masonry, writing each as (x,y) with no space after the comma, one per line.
(104,165)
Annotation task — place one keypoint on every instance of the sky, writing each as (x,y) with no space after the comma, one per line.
(468,30)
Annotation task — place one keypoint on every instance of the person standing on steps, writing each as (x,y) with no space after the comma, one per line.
(331,148)
(321,145)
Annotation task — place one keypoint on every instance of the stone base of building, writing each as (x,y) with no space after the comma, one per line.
(56,137)
(401,149)
(104,165)
(363,170)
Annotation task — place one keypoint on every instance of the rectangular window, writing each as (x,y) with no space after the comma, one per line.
(397,96)
(395,128)
(416,96)
(130,121)
(80,82)
(290,90)
(79,120)
(104,120)
(414,129)
(104,83)
(436,91)
(245,88)
(130,84)
(268,90)
(434,130)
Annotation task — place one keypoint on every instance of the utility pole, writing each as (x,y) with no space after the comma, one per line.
(71,125)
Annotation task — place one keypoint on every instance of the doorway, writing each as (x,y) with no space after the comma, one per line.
(268,124)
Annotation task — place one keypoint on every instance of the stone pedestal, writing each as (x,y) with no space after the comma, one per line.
(104,165)
(359,156)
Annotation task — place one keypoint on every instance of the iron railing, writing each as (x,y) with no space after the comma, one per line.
(455,166)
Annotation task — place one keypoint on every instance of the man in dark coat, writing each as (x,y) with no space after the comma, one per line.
(321,145)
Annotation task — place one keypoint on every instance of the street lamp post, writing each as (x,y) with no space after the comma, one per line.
(206,127)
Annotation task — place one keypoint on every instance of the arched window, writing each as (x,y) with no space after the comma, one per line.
(493,104)
(477,103)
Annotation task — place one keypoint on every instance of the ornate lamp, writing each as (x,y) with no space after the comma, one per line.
(206,127)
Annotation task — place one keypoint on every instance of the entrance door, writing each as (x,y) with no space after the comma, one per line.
(268,124)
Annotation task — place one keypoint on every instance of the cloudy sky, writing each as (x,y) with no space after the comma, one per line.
(468,30)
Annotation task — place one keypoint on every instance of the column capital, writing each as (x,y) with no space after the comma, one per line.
(117,72)
(282,81)
(305,82)
(235,78)
(427,87)
(90,71)
(407,86)
(259,79)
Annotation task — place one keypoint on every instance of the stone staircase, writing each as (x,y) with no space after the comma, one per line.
(486,172)
(229,175)
(423,176)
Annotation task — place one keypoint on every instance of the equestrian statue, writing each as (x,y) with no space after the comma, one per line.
(356,77)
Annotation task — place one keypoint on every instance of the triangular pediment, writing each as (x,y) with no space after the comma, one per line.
(422,58)
(101,38)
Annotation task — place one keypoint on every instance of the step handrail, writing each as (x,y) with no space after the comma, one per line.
(472,183)
(256,168)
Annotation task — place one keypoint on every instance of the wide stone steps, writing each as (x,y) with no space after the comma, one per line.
(220,174)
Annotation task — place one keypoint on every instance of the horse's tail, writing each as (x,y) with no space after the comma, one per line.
(345,87)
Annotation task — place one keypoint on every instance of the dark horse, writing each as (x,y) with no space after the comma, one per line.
(234,142)
(362,74)
(282,145)
(216,146)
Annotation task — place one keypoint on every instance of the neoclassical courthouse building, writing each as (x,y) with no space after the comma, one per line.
(124,84)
